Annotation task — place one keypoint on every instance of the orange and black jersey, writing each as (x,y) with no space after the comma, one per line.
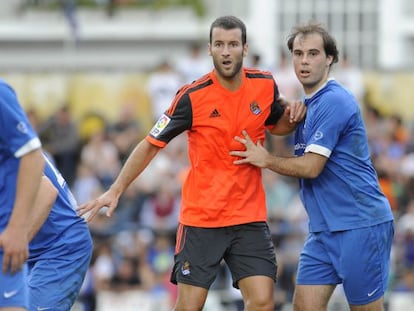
(218,193)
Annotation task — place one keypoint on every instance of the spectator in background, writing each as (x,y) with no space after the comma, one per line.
(101,155)
(192,66)
(163,83)
(103,268)
(160,258)
(87,184)
(351,77)
(126,131)
(69,8)
(287,82)
(61,140)
(256,61)
(405,237)
(160,210)
(399,131)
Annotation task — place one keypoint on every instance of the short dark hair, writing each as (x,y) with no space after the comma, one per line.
(329,43)
(229,22)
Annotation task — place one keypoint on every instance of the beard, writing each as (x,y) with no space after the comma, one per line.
(228,74)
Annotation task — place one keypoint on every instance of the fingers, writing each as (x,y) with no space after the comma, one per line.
(92,208)
(296,111)
(110,210)
(14,262)
(240,140)
(83,209)
(6,263)
(241,161)
(238,153)
(92,214)
(17,261)
(290,113)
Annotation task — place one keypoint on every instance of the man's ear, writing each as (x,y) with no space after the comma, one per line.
(245,50)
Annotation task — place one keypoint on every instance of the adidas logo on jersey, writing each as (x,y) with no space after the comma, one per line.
(215,114)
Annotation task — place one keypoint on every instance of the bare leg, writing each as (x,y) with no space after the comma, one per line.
(377,305)
(257,292)
(190,298)
(312,297)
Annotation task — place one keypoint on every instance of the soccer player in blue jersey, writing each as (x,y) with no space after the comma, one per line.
(21,166)
(350,220)
(61,247)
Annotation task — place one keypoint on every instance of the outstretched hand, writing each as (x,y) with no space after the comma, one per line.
(107,199)
(254,154)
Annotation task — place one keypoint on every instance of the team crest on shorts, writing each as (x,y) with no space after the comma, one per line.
(185,269)
(160,125)
(254,107)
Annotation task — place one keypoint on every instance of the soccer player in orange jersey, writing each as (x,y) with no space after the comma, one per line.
(223,211)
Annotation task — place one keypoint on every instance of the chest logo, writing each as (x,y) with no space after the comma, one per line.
(254,107)
(215,114)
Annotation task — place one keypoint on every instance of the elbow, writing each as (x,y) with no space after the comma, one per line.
(313,173)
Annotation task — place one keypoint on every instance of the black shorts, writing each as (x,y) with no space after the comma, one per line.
(247,249)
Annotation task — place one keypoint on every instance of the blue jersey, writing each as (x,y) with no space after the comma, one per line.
(346,195)
(17,138)
(64,233)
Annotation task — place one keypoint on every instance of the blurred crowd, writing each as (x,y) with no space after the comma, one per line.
(134,249)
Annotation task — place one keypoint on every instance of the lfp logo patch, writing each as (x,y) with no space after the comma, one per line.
(160,125)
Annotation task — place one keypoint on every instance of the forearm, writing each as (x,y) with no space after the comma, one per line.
(138,160)
(45,200)
(27,185)
(301,167)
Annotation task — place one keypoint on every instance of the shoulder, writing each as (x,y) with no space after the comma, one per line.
(199,85)
(335,103)
(252,73)
(338,96)
(5,89)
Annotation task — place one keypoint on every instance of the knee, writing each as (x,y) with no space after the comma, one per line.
(259,304)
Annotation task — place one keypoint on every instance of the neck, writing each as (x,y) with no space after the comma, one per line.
(232,84)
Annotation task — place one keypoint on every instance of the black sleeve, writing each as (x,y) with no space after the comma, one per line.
(174,121)
(277,109)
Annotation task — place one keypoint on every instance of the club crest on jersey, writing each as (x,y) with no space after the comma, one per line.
(160,125)
(254,107)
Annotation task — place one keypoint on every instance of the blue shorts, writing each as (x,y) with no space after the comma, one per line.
(359,259)
(13,289)
(55,283)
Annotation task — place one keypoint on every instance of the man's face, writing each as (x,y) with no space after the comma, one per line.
(310,61)
(227,51)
